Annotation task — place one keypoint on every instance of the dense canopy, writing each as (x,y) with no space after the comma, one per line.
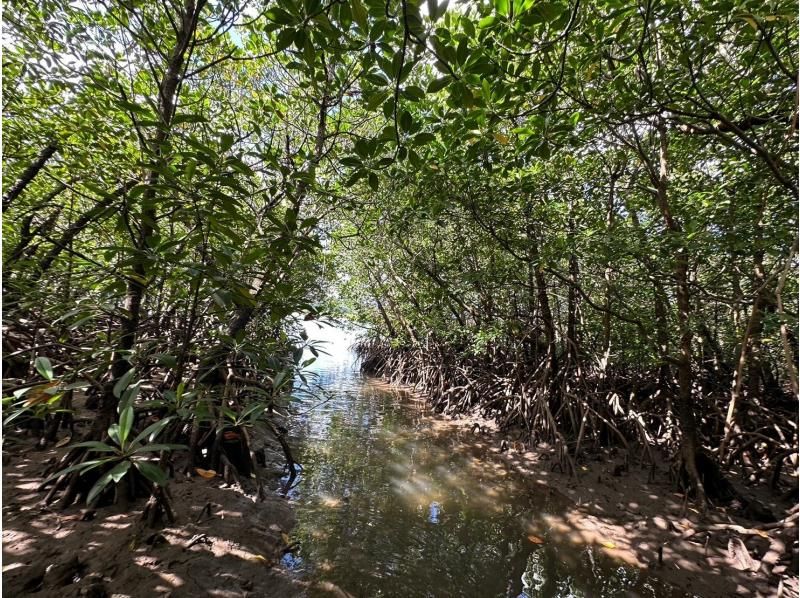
(577,217)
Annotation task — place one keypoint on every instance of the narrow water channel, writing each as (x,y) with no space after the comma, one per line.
(392,501)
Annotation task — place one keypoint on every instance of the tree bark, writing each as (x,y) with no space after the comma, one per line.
(545,312)
(137,283)
(573,343)
(683,404)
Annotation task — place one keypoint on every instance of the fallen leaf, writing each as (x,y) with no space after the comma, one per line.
(39,394)
(535,539)
(286,539)
(205,473)
(762,533)
(608,544)
(740,557)
(64,441)
(257,558)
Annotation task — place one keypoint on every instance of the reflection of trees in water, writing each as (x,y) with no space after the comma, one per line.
(550,572)
(365,524)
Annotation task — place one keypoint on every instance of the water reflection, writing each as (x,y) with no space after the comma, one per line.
(391,503)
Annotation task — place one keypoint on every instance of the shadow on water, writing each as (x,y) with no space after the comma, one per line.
(392,502)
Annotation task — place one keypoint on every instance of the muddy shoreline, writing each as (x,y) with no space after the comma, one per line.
(228,541)
(635,515)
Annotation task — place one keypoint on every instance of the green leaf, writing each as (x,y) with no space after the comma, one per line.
(188,118)
(373,181)
(100,447)
(80,467)
(154,448)
(284,40)
(251,409)
(125,424)
(168,360)
(113,433)
(115,475)
(356,176)
(123,382)
(462,52)
(44,367)
(413,93)
(279,379)
(406,121)
(152,472)
(226,142)
(351,162)
(151,431)
(280,16)
(423,138)
(359,14)
(129,396)
(438,84)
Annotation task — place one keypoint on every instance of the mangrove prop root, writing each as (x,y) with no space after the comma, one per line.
(158,508)
(577,405)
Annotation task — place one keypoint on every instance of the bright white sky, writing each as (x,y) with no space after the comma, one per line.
(337,344)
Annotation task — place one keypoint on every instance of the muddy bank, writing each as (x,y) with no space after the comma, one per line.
(613,507)
(635,515)
(225,542)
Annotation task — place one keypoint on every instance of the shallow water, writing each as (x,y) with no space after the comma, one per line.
(393,501)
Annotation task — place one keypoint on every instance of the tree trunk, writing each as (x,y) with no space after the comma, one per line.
(573,343)
(607,274)
(684,408)
(543,299)
(137,282)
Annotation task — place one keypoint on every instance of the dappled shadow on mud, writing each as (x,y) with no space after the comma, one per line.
(635,516)
(231,552)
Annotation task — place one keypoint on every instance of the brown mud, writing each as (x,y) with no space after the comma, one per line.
(635,515)
(225,542)
(228,542)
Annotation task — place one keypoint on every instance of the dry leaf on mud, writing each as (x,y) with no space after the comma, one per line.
(205,473)
(64,441)
(286,539)
(39,394)
(607,544)
(740,557)
(535,539)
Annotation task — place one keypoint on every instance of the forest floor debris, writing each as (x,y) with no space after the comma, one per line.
(641,519)
(224,542)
